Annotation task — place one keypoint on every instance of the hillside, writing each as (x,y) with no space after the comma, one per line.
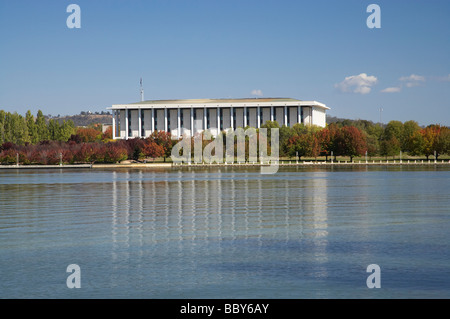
(85,119)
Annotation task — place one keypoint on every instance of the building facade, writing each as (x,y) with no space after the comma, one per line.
(188,117)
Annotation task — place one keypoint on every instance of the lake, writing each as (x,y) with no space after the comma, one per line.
(224,232)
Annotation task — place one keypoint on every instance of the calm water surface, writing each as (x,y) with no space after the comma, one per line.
(226,232)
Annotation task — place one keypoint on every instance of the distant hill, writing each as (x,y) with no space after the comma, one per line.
(91,118)
(85,119)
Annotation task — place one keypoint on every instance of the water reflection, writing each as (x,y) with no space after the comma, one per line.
(156,207)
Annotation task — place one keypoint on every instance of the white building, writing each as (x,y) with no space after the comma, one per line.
(180,117)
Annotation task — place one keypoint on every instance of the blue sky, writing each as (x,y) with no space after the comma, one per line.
(309,50)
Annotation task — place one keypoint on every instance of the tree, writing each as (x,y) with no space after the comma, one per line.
(409,129)
(152,149)
(2,128)
(443,141)
(435,139)
(88,135)
(270,125)
(32,129)
(165,140)
(297,146)
(66,130)
(107,135)
(416,144)
(114,153)
(285,134)
(41,126)
(390,147)
(393,129)
(53,130)
(350,141)
(327,140)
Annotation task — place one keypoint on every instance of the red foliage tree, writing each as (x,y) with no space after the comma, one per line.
(350,141)
(165,140)
(152,149)
(87,134)
(114,153)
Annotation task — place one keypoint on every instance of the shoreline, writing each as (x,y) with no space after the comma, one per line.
(187,165)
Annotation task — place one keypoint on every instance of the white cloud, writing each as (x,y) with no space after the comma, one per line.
(257,92)
(412,80)
(444,78)
(361,83)
(412,77)
(393,89)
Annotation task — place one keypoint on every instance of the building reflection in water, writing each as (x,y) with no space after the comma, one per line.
(154,207)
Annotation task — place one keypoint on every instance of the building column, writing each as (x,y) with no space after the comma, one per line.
(204,119)
(231,118)
(271,113)
(165,120)
(218,120)
(299,114)
(285,116)
(153,120)
(178,123)
(113,124)
(245,116)
(258,117)
(139,123)
(126,123)
(192,121)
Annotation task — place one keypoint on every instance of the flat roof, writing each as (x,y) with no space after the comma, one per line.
(215,101)
(250,102)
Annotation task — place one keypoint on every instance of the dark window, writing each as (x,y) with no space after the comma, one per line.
(234,118)
(301,114)
(207,119)
(168,121)
(129,122)
(288,115)
(142,123)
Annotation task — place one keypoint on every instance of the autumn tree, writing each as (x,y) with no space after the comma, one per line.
(152,149)
(88,134)
(350,141)
(165,140)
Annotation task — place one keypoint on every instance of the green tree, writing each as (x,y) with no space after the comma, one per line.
(285,134)
(416,144)
(2,128)
(390,147)
(32,129)
(270,125)
(393,129)
(66,130)
(41,126)
(53,130)
(409,129)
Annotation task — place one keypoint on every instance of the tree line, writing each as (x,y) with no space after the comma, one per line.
(34,140)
